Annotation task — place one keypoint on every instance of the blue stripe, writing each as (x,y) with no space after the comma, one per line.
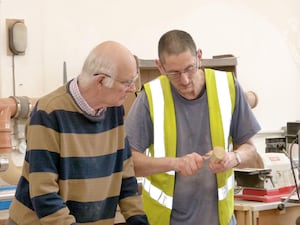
(93,211)
(74,122)
(129,187)
(47,204)
(127,148)
(91,167)
(137,220)
(76,167)
(22,193)
(42,161)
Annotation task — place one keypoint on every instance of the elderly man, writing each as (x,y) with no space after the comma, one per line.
(78,164)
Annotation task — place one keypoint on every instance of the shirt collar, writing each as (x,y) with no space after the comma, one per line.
(81,102)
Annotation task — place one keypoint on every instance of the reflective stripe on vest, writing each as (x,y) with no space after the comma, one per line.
(223,191)
(224,103)
(221,101)
(225,106)
(158,122)
(158,189)
(157,194)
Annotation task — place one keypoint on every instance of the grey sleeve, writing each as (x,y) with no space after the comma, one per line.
(138,124)
(244,124)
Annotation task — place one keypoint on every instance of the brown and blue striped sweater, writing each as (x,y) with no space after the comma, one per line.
(77,168)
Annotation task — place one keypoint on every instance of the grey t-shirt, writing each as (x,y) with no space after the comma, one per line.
(195,197)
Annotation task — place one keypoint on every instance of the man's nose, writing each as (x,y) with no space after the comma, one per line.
(132,88)
(184,77)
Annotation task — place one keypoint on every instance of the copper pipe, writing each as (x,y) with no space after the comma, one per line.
(19,106)
(9,103)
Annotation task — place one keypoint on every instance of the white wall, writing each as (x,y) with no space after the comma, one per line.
(265,35)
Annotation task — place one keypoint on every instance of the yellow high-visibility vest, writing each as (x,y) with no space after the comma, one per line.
(158,189)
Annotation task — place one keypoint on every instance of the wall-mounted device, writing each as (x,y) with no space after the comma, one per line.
(17,37)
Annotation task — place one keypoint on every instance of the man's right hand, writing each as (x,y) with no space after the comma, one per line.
(189,164)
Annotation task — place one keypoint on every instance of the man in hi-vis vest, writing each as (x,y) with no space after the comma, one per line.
(173,126)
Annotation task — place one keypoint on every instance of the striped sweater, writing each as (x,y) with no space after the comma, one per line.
(77,168)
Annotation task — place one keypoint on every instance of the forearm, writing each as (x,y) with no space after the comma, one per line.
(248,154)
(186,165)
(144,165)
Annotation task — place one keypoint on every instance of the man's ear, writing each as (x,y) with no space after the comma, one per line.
(99,80)
(199,54)
(159,66)
(199,57)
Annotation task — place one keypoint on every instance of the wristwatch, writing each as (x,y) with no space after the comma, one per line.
(237,158)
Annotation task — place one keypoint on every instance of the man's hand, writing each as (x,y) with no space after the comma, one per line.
(228,162)
(189,164)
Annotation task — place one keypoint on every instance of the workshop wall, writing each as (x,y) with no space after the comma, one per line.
(264,35)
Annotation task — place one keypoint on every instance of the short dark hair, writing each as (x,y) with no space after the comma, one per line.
(175,42)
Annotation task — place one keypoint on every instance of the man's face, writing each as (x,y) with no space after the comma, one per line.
(120,88)
(182,71)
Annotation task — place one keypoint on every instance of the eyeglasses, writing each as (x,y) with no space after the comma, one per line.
(126,83)
(190,70)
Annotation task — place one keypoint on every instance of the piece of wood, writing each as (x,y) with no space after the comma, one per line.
(217,155)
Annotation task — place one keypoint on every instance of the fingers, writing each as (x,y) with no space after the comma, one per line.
(217,167)
(189,164)
(223,165)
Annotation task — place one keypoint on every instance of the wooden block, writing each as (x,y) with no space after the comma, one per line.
(217,155)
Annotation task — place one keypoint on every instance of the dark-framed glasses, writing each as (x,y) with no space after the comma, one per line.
(190,70)
(126,83)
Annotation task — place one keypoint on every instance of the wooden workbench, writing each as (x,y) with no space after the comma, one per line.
(259,213)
